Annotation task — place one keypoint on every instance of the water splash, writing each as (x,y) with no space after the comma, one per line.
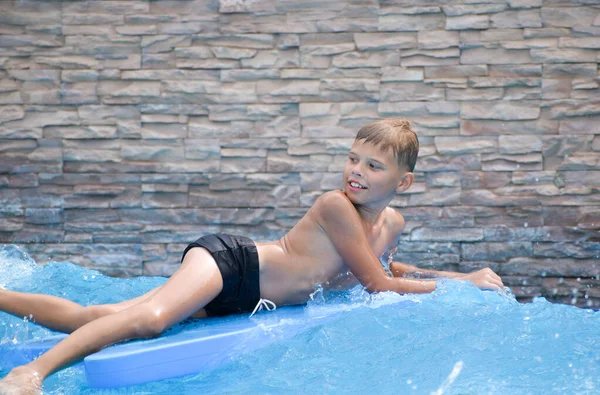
(376,343)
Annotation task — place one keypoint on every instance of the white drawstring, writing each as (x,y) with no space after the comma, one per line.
(264,304)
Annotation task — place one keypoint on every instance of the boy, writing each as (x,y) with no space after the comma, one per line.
(335,245)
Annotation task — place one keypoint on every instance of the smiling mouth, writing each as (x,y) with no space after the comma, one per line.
(354,184)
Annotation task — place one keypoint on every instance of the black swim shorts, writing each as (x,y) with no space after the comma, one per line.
(237,259)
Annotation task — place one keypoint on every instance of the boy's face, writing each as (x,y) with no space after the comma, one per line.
(372,174)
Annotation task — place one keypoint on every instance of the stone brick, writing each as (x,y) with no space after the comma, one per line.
(401,74)
(243,164)
(472,9)
(300,146)
(447,234)
(80,132)
(326,49)
(418,195)
(89,155)
(171,75)
(550,267)
(561,146)
(398,23)
(437,39)
(587,125)
(406,91)
(256,41)
(285,88)
(148,151)
(526,70)
(188,86)
(384,41)
(136,30)
(517,19)
(522,93)
(519,144)
(282,196)
(273,59)
(359,59)
(579,42)
(525,3)
(424,57)
(163,131)
(41,119)
(467,22)
(107,115)
(495,251)
(547,32)
(252,181)
(11,113)
(463,145)
(49,76)
(286,41)
(484,180)
(499,111)
(490,82)
(207,64)
(9,85)
(573,108)
(482,197)
(279,126)
(369,24)
(567,16)
(418,108)
(163,43)
(494,56)
(118,7)
(280,161)
(249,75)
(556,89)
(579,250)
(456,71)
(561,55)
(495,162)
(435,163)
(11,98)
(185,28)
(347,84)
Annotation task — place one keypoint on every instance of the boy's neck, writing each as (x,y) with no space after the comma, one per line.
(370,213)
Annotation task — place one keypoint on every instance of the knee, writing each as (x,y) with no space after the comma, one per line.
(91,313)
(151,322)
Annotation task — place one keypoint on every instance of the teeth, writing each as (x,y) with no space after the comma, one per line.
(356,185)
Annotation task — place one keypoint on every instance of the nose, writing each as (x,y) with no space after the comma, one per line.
(356,170)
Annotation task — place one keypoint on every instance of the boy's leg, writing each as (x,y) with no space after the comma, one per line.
(57,313)
(192,287)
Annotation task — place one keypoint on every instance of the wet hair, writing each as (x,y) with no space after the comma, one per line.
(395,135)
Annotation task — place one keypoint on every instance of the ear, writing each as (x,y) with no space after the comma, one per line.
(407,180)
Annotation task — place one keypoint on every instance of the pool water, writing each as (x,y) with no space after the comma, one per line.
(457,340)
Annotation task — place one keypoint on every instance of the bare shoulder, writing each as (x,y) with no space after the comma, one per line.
(395,223)
(332,198)
(333,202)
(334,207)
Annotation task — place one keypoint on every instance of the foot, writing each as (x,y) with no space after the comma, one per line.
(21,380)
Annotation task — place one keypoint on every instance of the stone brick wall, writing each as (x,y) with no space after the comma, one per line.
(129,128)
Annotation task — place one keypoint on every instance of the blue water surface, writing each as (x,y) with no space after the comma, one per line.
(457,340)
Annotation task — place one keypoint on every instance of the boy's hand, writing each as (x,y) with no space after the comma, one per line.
(484,279)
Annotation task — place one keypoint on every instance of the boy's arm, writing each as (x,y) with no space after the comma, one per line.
(483,278)
(400,269)
(338,217)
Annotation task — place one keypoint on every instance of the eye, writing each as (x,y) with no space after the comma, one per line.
(352,159)
(374,166)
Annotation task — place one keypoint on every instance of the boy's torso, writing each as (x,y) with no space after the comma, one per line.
(293,267)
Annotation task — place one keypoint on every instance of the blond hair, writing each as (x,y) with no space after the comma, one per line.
(395,135)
